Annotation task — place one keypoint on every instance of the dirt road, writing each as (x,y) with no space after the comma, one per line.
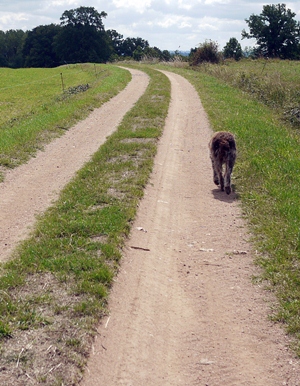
(183,310)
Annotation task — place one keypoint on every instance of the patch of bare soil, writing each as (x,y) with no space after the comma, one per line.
(183,310)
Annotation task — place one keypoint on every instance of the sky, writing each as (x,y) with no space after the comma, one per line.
(166,24)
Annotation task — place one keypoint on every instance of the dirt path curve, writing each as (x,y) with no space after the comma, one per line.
(30,189)
(183,310)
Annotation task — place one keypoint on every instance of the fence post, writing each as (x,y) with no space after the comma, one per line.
(62,82)
(95,69)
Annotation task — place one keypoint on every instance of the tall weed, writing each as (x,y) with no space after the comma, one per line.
(275,83)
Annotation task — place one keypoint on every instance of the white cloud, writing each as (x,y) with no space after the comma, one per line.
(60,3)
(182,4)
(7,18)
(172,21)
(134,5)
(208,23)
(211,2)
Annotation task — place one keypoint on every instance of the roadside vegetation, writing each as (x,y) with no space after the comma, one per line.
(274,82)
(54,290)
(259,102)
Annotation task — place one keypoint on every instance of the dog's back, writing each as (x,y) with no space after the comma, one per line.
(223,146)
(223,151)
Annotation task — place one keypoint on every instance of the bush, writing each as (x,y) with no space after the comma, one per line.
(207,52)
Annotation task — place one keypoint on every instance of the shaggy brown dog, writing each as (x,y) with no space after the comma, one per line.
(222,148)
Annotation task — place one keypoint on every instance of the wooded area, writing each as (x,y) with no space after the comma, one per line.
(79,38)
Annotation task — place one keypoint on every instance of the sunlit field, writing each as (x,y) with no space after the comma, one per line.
(38,104)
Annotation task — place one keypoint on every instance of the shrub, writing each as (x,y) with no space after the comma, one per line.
(207,52)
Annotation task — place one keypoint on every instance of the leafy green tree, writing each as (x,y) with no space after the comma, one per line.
(138,54)
(3,62)
(153,53)
(276,32)
(82,37)
(166,55)
(116,41)
(11,45)
(84,17)
(38,47)
(129,45)
(233,49)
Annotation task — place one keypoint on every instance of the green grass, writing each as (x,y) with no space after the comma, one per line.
(267,181)
(35,106)
(55,288)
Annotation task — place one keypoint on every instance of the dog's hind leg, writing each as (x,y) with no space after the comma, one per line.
(218,175)
(215,173)
(229,167)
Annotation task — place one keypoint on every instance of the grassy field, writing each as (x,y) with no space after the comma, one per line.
(39,104)
(54,291)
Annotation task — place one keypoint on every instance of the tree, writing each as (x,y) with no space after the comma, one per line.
(116,41)
(11,45)
(129,45)
(83,16)
(38,47)
(82,37)
(138,54)
(166,56)
(276,32)
(3,62)
(154,53)
(233,49)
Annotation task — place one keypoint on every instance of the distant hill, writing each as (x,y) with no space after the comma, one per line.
(183,53)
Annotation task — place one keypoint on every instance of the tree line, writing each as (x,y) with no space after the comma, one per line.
(80,37)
